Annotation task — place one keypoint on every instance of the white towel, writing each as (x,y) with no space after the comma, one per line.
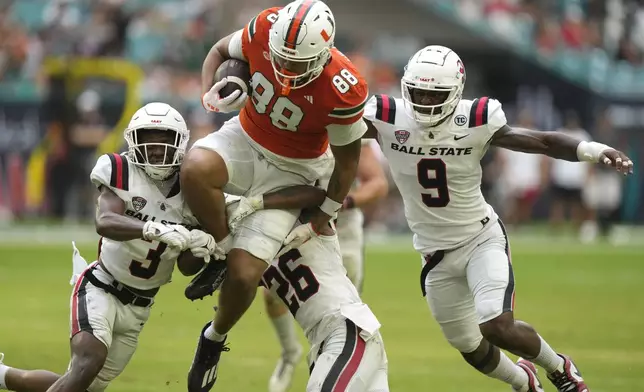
(79,264)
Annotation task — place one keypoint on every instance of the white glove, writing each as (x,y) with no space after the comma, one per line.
(176,236)
(214,103)
(202,245)
(297,237)
(245,207)
(223,247)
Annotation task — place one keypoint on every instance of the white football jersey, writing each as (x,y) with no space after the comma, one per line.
(437,170)
(312,282)
(139,263)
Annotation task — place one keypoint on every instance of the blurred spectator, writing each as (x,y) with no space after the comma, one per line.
(521,179)
(548,36)
(87,132)
(13,46)
(567,179)
(573,29)
(105,31)
(603,191)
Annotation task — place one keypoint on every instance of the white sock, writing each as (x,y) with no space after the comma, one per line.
(548,358)
(3,372)
(508,372)
(286,333)
(211,334)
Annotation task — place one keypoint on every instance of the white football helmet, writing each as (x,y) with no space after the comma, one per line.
(300,41)
(157,137)
(432,84)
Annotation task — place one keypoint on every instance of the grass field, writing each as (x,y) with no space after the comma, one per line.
(586,300)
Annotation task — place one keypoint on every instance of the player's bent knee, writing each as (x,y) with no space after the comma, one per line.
(496,330)
(462,336)
(200,163)
(465,343)
(244,268)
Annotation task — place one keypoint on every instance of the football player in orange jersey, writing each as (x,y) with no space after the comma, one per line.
(306,96)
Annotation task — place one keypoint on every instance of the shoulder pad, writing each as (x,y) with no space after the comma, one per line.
(348,90)
(112,170)
(479,112)
(262,22)
(385,108)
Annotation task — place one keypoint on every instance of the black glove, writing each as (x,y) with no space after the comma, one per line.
(207,281)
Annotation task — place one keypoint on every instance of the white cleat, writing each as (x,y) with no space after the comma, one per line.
(1,358)
(283,374)
(534,384)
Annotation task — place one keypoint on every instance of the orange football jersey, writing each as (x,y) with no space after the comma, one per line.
(294,125)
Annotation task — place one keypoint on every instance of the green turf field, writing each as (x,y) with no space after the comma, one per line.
(586,300)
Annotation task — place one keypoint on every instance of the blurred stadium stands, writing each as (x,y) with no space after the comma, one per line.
(72,71)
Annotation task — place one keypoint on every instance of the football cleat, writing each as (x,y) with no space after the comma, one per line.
(568,377)
(534,384)
(207,281)
(203,371)
(283,374)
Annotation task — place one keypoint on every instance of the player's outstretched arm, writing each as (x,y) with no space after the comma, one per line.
(372,181)
(561,146)
(110,219)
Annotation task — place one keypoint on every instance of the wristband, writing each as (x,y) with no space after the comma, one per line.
(330,206)
(257,202)
(590,151)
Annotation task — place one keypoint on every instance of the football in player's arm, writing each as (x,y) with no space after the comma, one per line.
(291,67)
(344,136)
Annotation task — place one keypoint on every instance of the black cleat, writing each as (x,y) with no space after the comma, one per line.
(203,371)
(207,281)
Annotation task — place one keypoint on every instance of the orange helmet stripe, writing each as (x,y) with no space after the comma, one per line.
(296,23)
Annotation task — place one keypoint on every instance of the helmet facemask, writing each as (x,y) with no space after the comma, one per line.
(293,72)
(158,151)
(430,103)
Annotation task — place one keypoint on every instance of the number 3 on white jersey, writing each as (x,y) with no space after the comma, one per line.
(285,114)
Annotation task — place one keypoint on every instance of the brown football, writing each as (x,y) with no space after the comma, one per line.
(188,264)
(238,74)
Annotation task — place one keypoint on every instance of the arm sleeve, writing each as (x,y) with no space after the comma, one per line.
(343,134)
(102,172)
(235,46)
(496,116)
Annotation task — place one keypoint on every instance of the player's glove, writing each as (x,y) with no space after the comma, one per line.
(207,281)
(175,236)
(297,237)
(223,247)
(214,103)
(203,245)
(245,207)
